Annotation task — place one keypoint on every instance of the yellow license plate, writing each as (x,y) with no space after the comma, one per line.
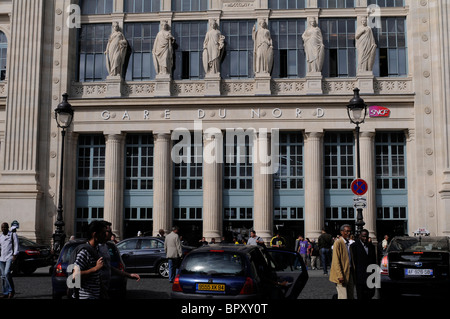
(211,287)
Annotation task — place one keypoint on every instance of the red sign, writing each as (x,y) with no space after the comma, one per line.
(359,187)
(379,111)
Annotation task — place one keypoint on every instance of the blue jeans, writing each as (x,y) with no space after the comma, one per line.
(173,268)
(325,257)
(7,282)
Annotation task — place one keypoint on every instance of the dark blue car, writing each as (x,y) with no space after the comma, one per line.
(241,272)
(118,284)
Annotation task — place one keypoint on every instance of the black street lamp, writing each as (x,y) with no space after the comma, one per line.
(357,111)
(63,116)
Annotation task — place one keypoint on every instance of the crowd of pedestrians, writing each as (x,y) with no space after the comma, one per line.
(342,258)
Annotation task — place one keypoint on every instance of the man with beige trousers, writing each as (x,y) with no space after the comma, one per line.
(341,272)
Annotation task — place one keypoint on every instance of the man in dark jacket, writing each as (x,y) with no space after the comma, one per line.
(325,242)
(363,254)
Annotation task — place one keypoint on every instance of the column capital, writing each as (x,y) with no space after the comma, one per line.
(114,136)
(367,134)
(314,134)
(162,135)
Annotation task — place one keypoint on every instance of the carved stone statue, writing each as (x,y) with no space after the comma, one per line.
(163,50)
(263,49)
(365,46)
(116,50)
(314,48)
(213,49)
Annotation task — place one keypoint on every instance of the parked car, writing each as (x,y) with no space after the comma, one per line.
(31,256)
(416,266)
(118,284)
(146,255)
(241,272)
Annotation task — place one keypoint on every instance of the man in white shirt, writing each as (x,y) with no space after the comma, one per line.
(9,244)
(254,240)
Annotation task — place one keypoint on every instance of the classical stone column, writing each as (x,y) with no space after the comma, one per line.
(114,181)
(162,183)
(314,197)
(212,188)
(20,190)
(367,158)
(263,188)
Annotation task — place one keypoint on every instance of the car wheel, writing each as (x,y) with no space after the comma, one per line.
(163,269)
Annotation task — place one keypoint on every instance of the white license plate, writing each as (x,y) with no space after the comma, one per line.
(418,272)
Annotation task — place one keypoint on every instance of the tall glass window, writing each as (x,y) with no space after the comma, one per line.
(96,6)
(189,47)
(288,48)
(287,4)
(139,162)
(92,42)
(290,171)
(390,161)
(91,162)
(238,168)
(3,55)
(238,59)
(392,57)
(238,213)
(189,172)
(336,3)
(139,6)
(138,193)
(89,200)
(141,37)
(340,51)
(387,3)
(391,183)
(189,5)
(339,172)
(340,213)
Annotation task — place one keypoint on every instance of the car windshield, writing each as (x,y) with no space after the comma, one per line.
(214,263)
(411,244)
(65,257)
(27,242)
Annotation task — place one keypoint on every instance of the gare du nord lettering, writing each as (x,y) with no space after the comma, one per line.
(200,114)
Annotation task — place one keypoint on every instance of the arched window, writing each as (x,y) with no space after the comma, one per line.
(3,55)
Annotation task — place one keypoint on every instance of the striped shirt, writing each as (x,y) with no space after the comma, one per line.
(90,284)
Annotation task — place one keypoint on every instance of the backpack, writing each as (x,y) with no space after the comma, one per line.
(74,292)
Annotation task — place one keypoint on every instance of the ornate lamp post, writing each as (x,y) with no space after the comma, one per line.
(357,111)
(63,116)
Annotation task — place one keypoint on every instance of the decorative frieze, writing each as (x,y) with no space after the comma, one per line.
(199,88)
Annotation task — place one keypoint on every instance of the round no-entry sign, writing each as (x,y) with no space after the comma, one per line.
(359,187)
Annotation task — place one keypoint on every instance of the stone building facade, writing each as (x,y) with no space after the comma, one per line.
(131,124)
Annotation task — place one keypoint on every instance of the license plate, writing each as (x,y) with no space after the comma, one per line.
(211,287)
(418,272)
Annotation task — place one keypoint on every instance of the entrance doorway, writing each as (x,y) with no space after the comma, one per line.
(391,228)
(237,229)
(131,228)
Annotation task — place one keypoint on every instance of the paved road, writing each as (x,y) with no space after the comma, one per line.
(38,286)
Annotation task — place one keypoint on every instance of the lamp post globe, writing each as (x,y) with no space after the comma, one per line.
(357,108)
(63,117)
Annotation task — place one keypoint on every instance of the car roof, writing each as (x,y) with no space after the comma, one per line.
(228,248)
(144,237)
(422,237)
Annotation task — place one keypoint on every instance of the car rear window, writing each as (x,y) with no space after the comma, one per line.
(419,244)
(214,263)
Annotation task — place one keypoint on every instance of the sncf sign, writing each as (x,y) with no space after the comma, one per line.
(379,111)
